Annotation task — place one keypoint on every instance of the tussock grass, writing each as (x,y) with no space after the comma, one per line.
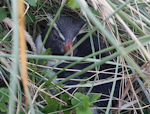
(122,25)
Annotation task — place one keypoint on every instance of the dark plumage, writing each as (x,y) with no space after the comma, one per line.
(69,28)
(60,39)
(83,50)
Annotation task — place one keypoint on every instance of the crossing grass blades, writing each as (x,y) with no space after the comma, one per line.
(91,78)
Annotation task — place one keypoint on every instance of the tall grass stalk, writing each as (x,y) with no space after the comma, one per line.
(15,52)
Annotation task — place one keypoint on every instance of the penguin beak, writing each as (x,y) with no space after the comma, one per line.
(67,47)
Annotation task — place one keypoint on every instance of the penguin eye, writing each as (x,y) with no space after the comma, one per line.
(55,36)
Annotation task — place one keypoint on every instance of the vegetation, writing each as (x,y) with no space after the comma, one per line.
(125,27)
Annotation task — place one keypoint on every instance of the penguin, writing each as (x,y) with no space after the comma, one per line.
(61,39)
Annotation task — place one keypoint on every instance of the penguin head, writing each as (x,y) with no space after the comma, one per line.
(62,36)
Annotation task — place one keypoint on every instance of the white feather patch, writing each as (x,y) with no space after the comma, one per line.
(39,44)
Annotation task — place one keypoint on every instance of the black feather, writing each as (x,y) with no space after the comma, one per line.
(83,50)
(69,27)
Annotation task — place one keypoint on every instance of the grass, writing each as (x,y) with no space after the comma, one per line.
(125,29)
